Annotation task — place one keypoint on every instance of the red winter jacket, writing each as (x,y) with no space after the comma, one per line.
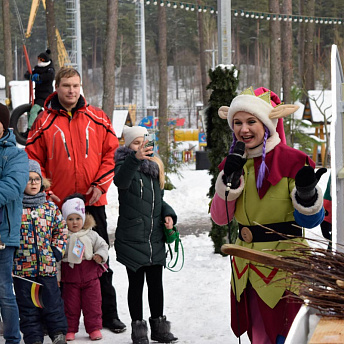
(74,152)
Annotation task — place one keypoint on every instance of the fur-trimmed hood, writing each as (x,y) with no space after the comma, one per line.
(89,222)
(148,167)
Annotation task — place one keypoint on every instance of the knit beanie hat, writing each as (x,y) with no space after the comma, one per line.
(74,206)
(131,133)
(45,56)
(35,167)
(262,103)
(4,116)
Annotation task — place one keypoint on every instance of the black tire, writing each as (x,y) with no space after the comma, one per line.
(18,122)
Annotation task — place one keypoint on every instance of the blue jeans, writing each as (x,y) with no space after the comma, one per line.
(8,304)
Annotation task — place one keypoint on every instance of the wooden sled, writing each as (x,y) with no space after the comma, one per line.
(328,331)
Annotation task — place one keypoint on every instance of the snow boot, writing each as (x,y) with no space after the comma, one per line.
(139,332)
(160,330)
(59,338)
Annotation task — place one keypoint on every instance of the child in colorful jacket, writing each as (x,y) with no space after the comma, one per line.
(271,185)
(43,239)
(81,267)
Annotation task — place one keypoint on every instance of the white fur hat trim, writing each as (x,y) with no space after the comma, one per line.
(255,106)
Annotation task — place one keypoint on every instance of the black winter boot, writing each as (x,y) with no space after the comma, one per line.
(160,330)
(139,332)
(59,338)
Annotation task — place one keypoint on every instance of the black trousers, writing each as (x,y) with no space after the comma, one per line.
(109,301)
(153,275)
(32,318)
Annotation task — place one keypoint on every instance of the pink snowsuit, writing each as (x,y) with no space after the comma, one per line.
(81,291)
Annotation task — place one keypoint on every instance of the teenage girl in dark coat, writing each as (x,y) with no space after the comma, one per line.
(139,242)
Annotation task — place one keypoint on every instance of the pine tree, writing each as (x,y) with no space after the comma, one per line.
(224,83)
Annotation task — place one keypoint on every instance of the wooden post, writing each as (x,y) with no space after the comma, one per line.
(337,153)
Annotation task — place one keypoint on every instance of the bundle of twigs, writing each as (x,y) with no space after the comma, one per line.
(318,271)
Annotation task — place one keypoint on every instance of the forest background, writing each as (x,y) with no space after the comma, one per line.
(253,49)
(268,50)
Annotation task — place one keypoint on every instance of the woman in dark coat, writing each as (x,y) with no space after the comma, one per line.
(140,243)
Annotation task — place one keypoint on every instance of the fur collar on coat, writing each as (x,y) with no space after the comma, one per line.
(148,167)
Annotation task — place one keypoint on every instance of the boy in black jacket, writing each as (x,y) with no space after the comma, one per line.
(43,75)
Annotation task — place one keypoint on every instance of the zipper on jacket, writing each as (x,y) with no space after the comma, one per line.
(141,192)
(152,221)
(87,139)
(64,142)
(35,236)
(8,221)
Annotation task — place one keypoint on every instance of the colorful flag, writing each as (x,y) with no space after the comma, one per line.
(36,291)
(36,294)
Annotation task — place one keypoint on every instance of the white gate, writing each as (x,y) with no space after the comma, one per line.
(337,150)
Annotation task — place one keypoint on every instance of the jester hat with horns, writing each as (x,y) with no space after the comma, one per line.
(262,103)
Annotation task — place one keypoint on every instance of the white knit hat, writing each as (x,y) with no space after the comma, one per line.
(74,206)
(131,133)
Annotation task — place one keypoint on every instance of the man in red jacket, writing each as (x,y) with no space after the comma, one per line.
(74,143)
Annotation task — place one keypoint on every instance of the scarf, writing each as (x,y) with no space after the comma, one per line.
(82,235)
(30,201)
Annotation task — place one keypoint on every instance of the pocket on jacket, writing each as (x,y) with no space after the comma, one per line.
(130,229)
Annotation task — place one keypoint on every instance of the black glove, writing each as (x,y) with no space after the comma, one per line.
(305,182)
(233,170)
(326,230)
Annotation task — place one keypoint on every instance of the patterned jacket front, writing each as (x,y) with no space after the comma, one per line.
(43,239)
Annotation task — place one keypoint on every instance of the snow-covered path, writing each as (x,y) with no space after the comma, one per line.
(197,297)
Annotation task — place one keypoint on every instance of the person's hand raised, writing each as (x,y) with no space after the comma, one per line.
(144,152)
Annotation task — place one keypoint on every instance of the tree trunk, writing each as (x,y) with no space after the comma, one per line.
(109,57)
(308,69)
(8,59)
(301,48)
(202,56)
(275,47)
(287,60)
(287,53)
(162,57)
(51,32)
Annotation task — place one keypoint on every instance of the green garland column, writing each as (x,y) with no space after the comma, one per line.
(224,83)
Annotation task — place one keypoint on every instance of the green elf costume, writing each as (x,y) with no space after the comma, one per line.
(275,186)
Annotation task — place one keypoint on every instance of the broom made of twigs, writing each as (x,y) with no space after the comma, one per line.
(318,271)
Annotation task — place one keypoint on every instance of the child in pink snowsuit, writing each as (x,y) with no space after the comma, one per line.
(81,268)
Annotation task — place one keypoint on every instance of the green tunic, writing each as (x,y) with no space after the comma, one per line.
(275,207)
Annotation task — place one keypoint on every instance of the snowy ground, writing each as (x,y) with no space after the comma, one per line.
(197,297)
